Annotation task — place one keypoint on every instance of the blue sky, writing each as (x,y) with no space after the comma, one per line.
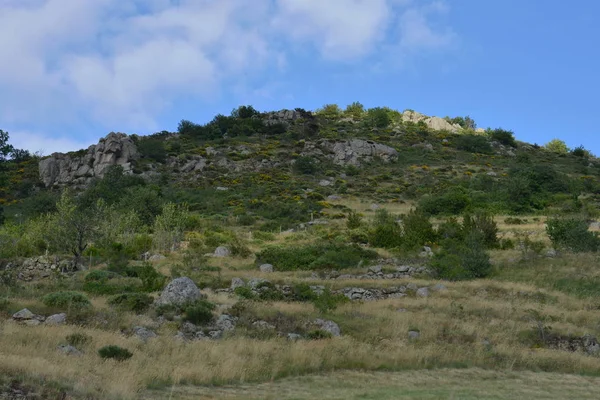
(77,70)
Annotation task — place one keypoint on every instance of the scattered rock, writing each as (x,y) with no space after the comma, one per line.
(225,322)
(222,251)
(413,335)
(180,291)
(69,350)
(254,282)
(32,322)
(215,334)
(143,333)
(376,269)
(334,197)
(236,283)
(325,183)
(354,151)
(293,336)
(156,257)
(263,325)
(22,315)
(439,287)
(222,188)
(266,268)
(551,253)
(426,253)
(56,319)
(423,292)
(328,326)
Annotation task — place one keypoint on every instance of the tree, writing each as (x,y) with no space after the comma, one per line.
(379,117)
(355,110)
(169,226)
(557,146)
(75,227)
(5,148)
(330,111)
(505,137)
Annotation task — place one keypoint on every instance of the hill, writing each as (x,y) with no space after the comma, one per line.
(293,244)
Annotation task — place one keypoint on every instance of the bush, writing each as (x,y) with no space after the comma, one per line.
(66,300)
(305,165)
(557,146)
(386,231)
(115,352)
(315,256)
(78,339)
(454,201)
(473,144)
(199,313)
(462,260)
(328,301)
(572,234)
(318,334)
(136,302)
(485,226)
(506,138)
(418,230)
(379,117)
(354,220)
(244,293)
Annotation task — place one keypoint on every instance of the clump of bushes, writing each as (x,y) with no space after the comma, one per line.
(78,339)
(572,234)
(474,144)
(136,302)
(408,231)
(199,312)
(452,202)
(66,299)
(505,137)
(460,260)
(115,353)
(315,256)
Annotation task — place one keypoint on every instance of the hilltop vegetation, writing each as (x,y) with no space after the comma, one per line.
(265,245)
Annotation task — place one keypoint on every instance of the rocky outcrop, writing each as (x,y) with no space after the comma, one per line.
(40,267)
(80,168)
(179,292)
(353,151)
(435,123)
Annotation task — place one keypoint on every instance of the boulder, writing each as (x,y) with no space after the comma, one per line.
(179,291)
(225,322)
(423,292)
(143,333)
(354,151)
(413,335)
(222,251)
(56,319)
(23,315)
(263,326)
(69,350)
(328,326)
(266,268)
(236,283)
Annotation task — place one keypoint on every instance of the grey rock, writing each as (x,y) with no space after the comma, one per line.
(215,334)
(236,283)
(22,315)
(187,328)
(354,151)
(333,197)
(266,268)
(32,322)
(293,336)
(156,257)
(225,322)
(375,269)
(63,169)
(423,292)
(222,188)
(413,335)
(551,253)
(180,291)
(56,319)
(328,326)
(439,288)
(426,253)
(403,268)
(254,282)
(412,286)
(263,325)
(222,251)
(69,350)
(143,333)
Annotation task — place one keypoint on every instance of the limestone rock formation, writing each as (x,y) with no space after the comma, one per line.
(77,168)
(354,151)
(435,123)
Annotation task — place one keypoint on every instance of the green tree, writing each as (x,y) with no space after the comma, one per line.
(355,110)
(169,226)
(330,111)
(557,146)
(378,117)
(5,148)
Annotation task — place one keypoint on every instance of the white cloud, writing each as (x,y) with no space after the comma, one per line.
(43,143)
(123,62)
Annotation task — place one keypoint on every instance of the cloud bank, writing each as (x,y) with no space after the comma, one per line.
(121,63)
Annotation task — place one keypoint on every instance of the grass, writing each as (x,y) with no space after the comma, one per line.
(466,384)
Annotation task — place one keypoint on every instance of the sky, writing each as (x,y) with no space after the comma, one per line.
(73,71)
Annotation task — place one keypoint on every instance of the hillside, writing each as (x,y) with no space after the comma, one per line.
(260,252)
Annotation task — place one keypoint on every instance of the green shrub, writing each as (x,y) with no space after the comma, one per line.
(153,147)
(115,353)
(66,299)
(386,232)
(418,230)
(485,226)
(244,293)
(302,292)
(78,339)
(318,334)
(305,165)
(328,301)
(505,137)
(572,234)
(199,312)
(452,202)
(136,302)
(354,220)
(462,260)
(315,256)
(514,221)
(473,144)
(268,292)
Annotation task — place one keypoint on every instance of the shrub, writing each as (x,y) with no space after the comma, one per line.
(572,234)
(454,201)
(328,301)
(199,312)
(115,352)
(386,231)
(318,334)
(66,300)
(315,256)
(78,339)
(418,230)
(244,293)
(354,220)
(557,146)
(136,302)
(485,226)
(580,151)
(506,138)
(378,117)
(462,260)
(305,165)
(473,144)
(153,147)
